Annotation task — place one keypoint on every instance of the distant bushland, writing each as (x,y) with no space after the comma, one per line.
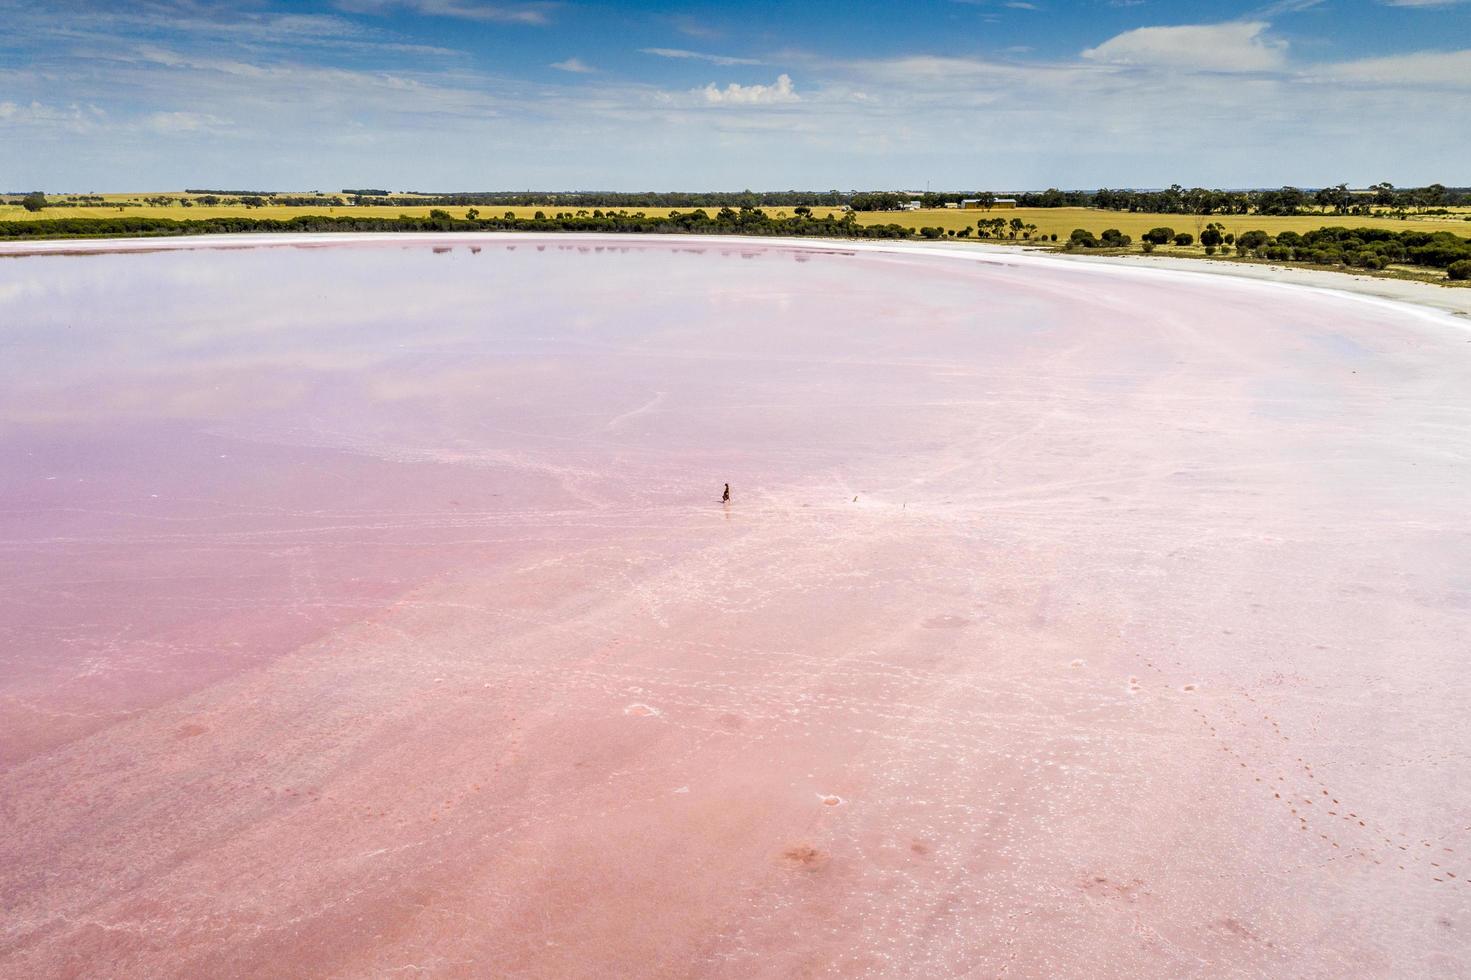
(728,221)
(197,190)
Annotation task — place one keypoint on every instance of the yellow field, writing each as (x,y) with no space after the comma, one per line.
(1062,221)
(1048,221)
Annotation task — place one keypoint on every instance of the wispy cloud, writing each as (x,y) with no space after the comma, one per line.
(1237,46)
(1425,69)
(714,59)
(529,13)
(1286,7)
(73,118)
(574,65)
(170,123)
(122,23)
(690,27)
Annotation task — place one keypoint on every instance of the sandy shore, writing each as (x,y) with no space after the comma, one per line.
(368,608)
(1451,300)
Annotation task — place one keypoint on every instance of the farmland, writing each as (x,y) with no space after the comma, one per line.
(1062,221)
(1113,231)
(1048,221)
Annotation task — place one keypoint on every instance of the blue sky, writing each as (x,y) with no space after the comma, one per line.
(465,94)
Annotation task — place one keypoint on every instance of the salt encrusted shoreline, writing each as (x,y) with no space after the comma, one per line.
(1428,295)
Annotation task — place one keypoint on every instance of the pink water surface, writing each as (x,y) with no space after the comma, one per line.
(370,610)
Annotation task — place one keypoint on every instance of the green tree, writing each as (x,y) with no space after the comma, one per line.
(1336,197)
(34,201)
(1249,241)
(1159,236)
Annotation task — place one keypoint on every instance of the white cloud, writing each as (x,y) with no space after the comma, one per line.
(1236,46)
(1288,7)
(528,13)
(734,94)
(690,27)
(1422,3)
(173,123)
(716,59)
(1424,69)
(575,65)
(73,118)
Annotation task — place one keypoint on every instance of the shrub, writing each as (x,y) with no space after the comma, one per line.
(1442,249)
(1184,238)
(1148,246)
(1251,240)
(1209,249)
(1459,271)
(1159,236)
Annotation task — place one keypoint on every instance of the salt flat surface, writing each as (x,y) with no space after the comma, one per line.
(371,610)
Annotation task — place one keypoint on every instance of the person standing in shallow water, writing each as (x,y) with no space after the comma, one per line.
(725,498)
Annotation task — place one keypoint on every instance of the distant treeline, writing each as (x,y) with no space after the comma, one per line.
(199,190)
(1172,200)
(623,199)
(1195,200)
(745,221)
(1283,201)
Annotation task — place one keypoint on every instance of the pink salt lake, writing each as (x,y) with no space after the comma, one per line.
(369,609)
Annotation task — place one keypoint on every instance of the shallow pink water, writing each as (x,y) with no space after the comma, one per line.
(371,609)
